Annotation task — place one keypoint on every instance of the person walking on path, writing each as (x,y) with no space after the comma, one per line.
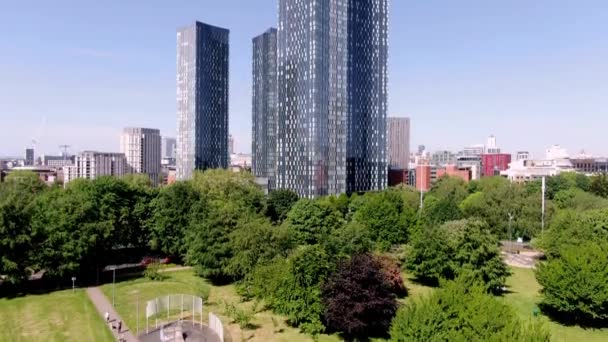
(119,326)
(107,315)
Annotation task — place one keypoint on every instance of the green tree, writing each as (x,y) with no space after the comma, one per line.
(256,242)
(17,195)
(171,216)
(462,311)
(573,228)
(575,284)
(455,248)
(299,294)
(280,203)
(350,239)
(599,185)
(385,216)
(312,221)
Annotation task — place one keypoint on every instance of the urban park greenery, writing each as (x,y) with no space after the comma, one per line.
(299,256)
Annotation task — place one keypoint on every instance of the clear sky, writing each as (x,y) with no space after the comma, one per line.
(532,72)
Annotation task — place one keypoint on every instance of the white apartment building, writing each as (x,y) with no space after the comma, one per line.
(142,149)
(92,164)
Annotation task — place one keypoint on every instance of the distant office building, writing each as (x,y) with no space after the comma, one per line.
(398,176)
(332,81)
(525,170)
(56,162)
(202,99)
(264,106)
(463,173)
(443,158)
(398,143)
(475,150)
(589,165)
(91,164)
(523,155)
(167,148)
(142,148)
(47,175)
(493,164)
(491,147)
(29,157)
(230,144)
(556,152)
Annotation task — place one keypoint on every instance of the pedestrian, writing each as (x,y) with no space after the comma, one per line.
(119,326)
(107,315)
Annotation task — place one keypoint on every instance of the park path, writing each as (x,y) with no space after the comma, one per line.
(103,304)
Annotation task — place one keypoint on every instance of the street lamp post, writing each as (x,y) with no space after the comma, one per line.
(510,234)
(113,284)
(73,283)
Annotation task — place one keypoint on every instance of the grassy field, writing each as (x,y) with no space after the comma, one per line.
(58,316)
(268,327)
(67,316)
(524,296)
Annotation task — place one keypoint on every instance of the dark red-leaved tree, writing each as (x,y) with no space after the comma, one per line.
(358,298)
(392,272)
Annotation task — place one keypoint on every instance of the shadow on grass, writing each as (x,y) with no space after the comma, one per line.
(569,319)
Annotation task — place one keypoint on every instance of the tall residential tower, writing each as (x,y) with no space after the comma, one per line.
(202,99)
(399,143)
(332,96)
(142,148)
(264,104)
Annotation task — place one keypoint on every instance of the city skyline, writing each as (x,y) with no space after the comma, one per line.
(541,85)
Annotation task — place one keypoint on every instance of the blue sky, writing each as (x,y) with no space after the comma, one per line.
(534,73)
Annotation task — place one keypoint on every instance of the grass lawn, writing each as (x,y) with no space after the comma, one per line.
(57,316)
(524,297)
(268,327)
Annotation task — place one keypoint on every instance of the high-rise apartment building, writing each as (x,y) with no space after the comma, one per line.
(29,157)
(202,99)
(167,148)
(332,96)
(142,148)
(264,105)
(91,164)
(398,143)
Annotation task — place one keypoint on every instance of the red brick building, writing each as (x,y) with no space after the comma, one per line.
(454,171)
(492,164)
(423,177)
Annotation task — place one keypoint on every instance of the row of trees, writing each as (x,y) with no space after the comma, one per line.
(323,263)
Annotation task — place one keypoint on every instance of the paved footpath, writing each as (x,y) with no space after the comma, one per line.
(103,304)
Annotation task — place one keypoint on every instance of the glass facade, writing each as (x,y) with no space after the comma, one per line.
(264,105)
(367,95)
(332,81)
(202,99)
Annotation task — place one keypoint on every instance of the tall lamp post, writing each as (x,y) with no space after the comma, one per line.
(136,293)
(510,234)
(73,283)
(113,284)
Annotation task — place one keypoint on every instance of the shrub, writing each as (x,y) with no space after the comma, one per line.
(575,284)
(152,272)
(455,248)
(462,311)
(358,298)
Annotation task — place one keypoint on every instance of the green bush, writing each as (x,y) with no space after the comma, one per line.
(462,311)
(575,284)
(455,248)
(152,272)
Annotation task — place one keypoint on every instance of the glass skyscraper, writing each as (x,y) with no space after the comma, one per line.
(264,105)
(202,99)
(332,81)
